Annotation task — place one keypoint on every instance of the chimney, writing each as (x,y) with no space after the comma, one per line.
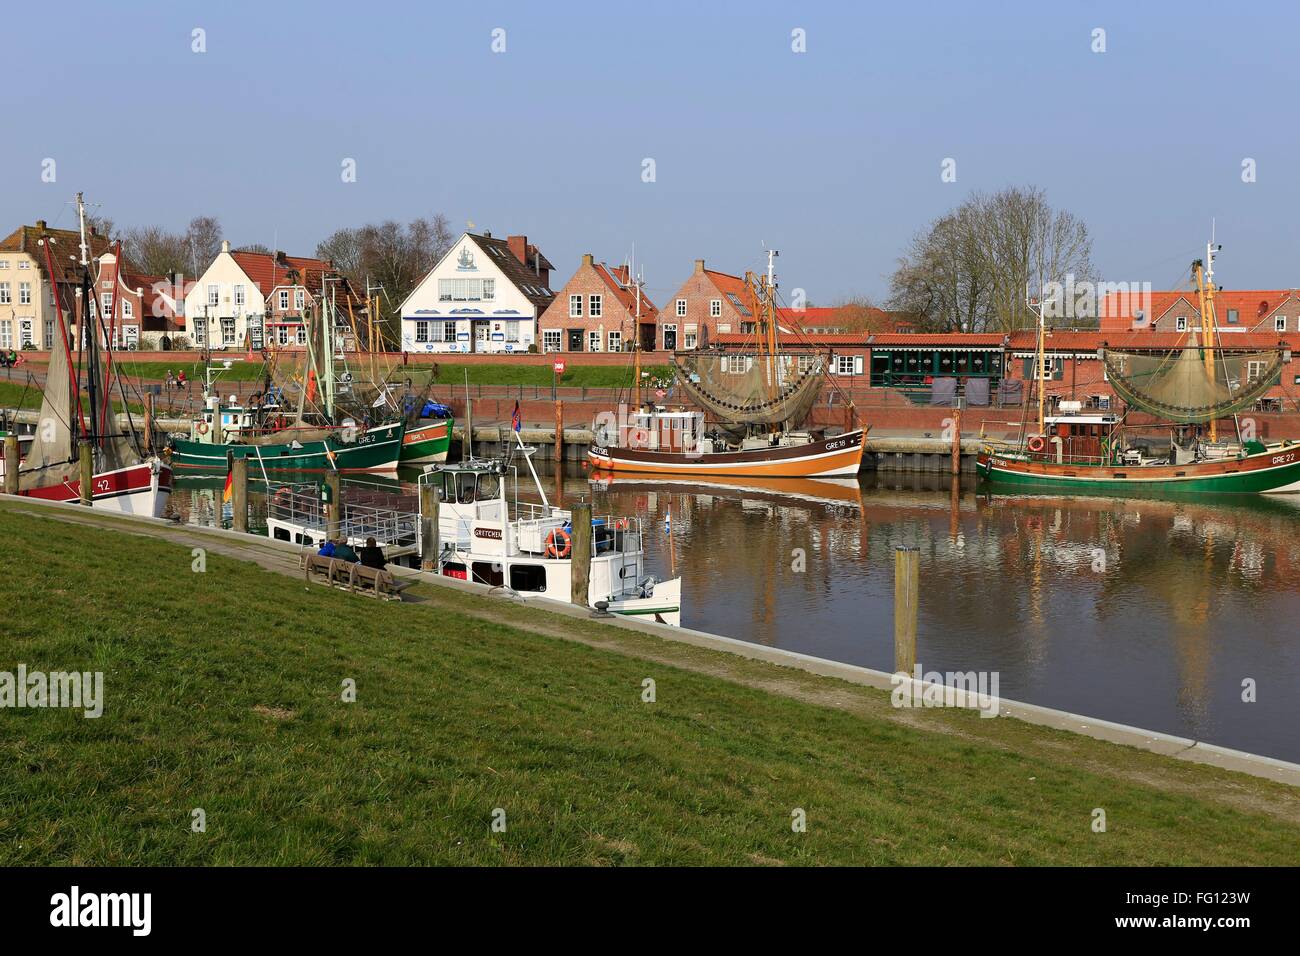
(225,245)
(519,247)
(699,265)
(281,258)
(588,259)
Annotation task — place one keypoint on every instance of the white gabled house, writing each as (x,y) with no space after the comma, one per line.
(484,295)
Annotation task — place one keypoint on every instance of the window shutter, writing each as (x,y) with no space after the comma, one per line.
(1058,368)
(857,365)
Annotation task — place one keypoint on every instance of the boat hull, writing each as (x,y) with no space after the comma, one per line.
(142,489)
(1276,470)
(840,455)
(377,450)
(426,444)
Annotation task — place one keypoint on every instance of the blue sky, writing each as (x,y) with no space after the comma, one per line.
(832,156)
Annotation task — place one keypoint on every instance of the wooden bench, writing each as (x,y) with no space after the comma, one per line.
(351,577)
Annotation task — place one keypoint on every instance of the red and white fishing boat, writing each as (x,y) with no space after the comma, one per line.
(125,477)
(755,397)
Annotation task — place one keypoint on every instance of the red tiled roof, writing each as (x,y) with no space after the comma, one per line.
(270,271)
(619,282)
(65,249)
(1118,310)
(1090,341)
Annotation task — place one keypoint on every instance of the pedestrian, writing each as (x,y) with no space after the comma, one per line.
(372,556)
(180,379)
(343,551)
(171,380)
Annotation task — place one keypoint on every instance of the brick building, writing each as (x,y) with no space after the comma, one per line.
(600,309)
(1259,311)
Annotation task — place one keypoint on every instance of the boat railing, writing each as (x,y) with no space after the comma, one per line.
(301,506)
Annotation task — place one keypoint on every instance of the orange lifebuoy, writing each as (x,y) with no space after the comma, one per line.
(620,524)
(558,543)
(1037,443)
(202,428)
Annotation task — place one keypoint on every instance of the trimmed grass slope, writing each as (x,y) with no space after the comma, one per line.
(223,692)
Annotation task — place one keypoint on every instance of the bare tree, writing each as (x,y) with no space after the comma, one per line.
(254,247)
(971,269)
(203,238)
(156,251)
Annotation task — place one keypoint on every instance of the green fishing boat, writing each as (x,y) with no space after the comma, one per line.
(1189,389)
(426,442)
(348,449)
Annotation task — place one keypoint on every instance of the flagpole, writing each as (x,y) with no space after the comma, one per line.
(516,425)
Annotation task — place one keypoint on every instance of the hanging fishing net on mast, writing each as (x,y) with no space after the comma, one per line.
(1178,386)
(752,389)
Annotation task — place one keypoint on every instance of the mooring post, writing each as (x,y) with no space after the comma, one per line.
(239,495)
(559,452)
(907,593)
(11,464)
(148,419)
(580,579)
(332,523)
(467,435)
(956,439)
(87,453)
(429,530)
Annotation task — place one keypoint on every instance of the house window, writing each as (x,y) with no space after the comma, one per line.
(48,326)
(422,331)
(282,334)
(670,335)
(805,364)
(595,308)
(106,300)
(715,308)
(24,293)
(228,331)
(448,331)
(24,264)
(302,335)
(4,263)
(616,341)
(6,334)
(466,290)
(1279,324)
(681,308)
(1254,370)
(128,310)
(593,341)
(1232,316)
(689,338)
(25,333)
(1180,323)
(512,330)
(844,364)
(575,306)
(551,340)
(239,295)
(299,299)
(4,293)
(284,300)
(212,295)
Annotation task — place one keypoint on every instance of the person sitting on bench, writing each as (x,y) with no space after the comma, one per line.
(372,556)
(326,549)
(343,551)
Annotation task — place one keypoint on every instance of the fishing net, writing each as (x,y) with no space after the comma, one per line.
(1176,385)
(752,389)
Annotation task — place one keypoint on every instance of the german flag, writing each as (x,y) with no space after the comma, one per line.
(228,491)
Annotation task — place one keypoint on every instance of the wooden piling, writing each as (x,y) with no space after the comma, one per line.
(907,593)
(87,453)
(239,495)
(11,464)
(148,420)
(956,441)
(580,579)
(559,452)
(333,522)
(430,546)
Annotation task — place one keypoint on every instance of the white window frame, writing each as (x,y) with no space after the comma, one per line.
(575,306)
(24,263)
(681,308)
(615,341)
(464,289)
(282,335)
(6,297)
(228,330)
(239,294)
(284,300)
(6,334)
(593,340)
(689,339)
(1279,323)
(1180,324)
(595,305)
(422,327)
(214,295)
(552,340)
(300,334)
(128,310)
(24,293)
(715,308)
(299,299)
(512,330)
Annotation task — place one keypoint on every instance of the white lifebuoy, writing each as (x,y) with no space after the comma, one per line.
(1037,443)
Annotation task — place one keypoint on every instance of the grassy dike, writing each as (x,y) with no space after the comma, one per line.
(223,692)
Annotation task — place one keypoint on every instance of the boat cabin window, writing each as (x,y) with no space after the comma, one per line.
(528,577)
(488,572)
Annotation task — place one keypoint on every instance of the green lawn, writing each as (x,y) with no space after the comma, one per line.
(241,370)
(19,395)
(223,693)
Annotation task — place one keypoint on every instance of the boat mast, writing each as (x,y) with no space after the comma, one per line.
(89,337)
(1042,354)
(1205,287)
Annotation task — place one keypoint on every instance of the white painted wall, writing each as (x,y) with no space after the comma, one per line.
(225,274)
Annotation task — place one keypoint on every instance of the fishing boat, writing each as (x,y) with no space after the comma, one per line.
(428,436)
(125,476)
(1189,389)
(277,440)
(487,535)
(756,396)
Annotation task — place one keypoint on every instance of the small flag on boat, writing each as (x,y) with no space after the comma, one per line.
(668,522)
(515,421)
(229,489)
